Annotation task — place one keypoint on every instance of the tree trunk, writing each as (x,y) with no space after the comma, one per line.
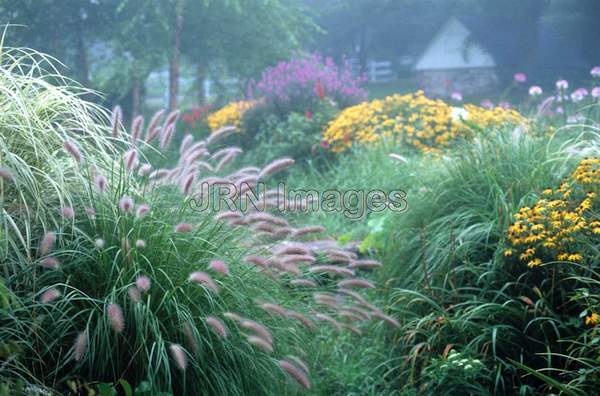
(175,55)
(200,75)
(362,55)
(82,59)
(136,90)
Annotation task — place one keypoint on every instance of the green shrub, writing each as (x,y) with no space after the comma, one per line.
(297,137)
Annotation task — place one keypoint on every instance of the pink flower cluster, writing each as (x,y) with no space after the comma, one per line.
(520,77)
(307,79)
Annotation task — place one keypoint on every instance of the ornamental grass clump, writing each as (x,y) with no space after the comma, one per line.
(128,283)
(36,156)
(414,121)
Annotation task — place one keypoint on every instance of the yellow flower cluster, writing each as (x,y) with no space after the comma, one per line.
(487,118)
(562,221)
(412,119)
(230,115)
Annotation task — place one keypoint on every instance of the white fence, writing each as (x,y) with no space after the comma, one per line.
(377,71)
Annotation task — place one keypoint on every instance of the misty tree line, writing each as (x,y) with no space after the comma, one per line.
(113,45)
(384,28)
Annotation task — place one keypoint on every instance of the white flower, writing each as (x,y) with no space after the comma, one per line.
(535,90)
(562,85)
(459,113)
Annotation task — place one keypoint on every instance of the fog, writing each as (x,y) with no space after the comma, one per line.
(146,54)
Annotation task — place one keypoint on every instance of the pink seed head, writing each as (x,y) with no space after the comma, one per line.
(143,283)
(116,120)
(91,212)
(136,128)
(183,227)
(134,294)
(126,204)
(355,283)
(6,174)
(386,318)
(49,262)
(233,316)
(73,150)
(190,337)
(186,185)
(80,346)
(178,354)
(295,372)
(142,211)
(130,159)
(185,142)
(276,166)
(204,279)
(49,295)
(68,213)
(219,266)
(101,182)
(258,329)
(217,326)
(47,243)
(260,343)
(365,264)
(274,309)
(326,318)
(303,283)
(115,316)
(144,170)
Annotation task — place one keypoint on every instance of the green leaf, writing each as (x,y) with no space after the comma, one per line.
(143,387)
(126,387)
(549,380)
(106,389)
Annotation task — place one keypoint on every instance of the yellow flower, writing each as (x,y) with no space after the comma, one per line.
(534,263)
(553,226)
(592,320)
(230,115)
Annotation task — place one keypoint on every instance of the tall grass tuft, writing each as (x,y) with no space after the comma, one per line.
(454,293)
(118,290)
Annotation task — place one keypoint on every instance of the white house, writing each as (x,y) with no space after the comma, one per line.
(454,61)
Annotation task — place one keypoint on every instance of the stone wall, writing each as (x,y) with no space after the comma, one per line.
(441,83)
